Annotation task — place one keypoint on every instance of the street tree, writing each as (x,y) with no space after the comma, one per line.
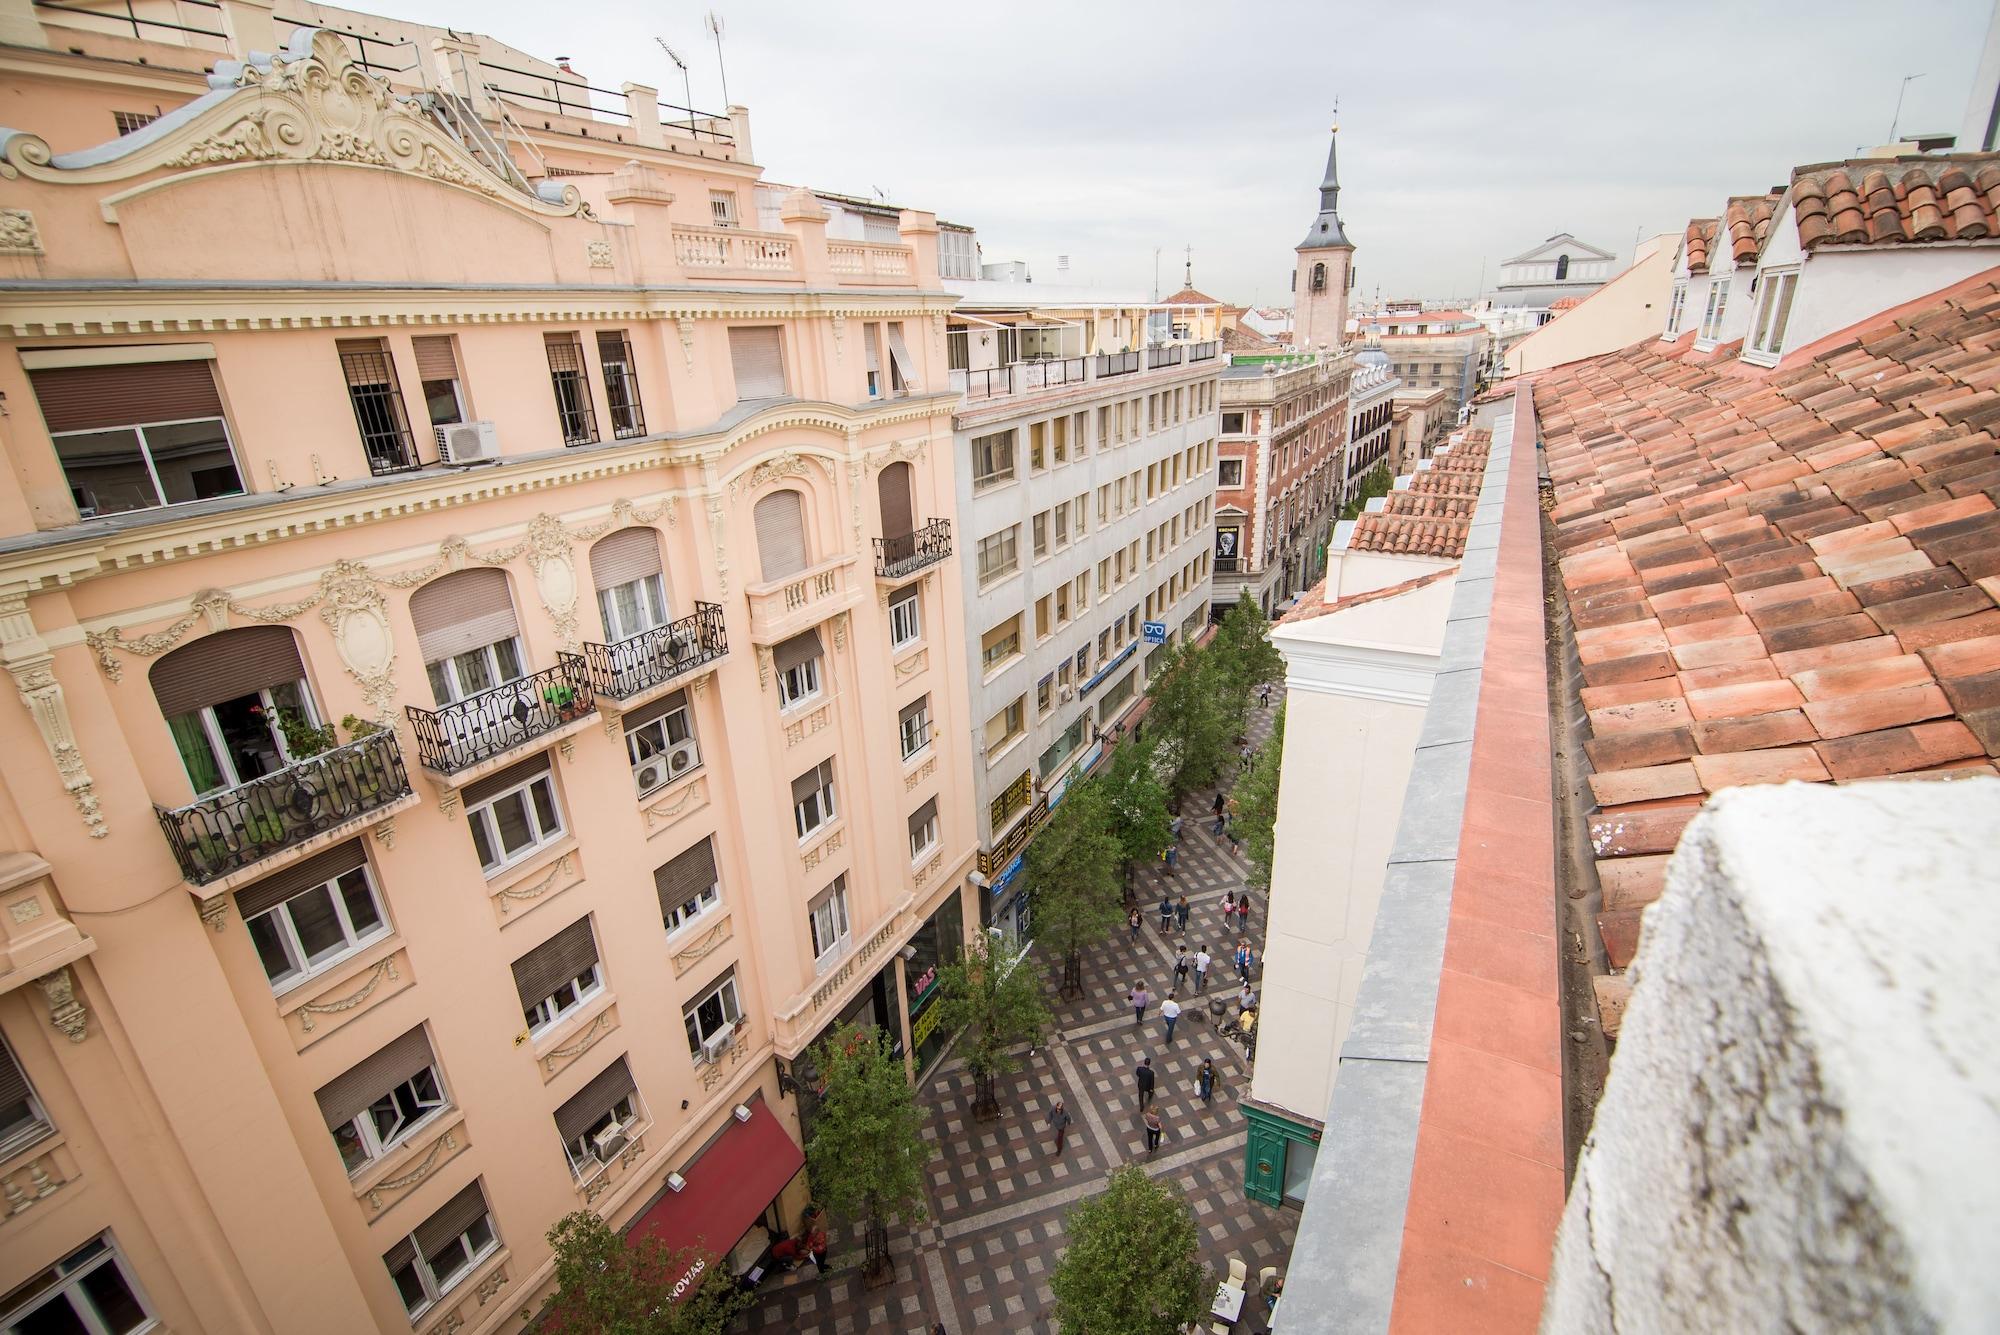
(998,1007)
(1132,1266)
(1377,483)
(1190,721)
(607,1285)
(1257,804)
(1135,803)
(1245,658)
(867,1152)
(1072,871)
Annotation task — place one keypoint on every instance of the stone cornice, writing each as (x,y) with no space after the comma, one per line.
(1359,671)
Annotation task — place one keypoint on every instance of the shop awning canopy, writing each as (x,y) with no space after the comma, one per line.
(727,1188)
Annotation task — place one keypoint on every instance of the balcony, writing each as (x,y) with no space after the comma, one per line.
(1203,352)
(731,252)
(999,381)
(468,732)
(1164,354)
(907,553)
(782,609)
(630,667)
(244,825)
(876,263)
(1116,363)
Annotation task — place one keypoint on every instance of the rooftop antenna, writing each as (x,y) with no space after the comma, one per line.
(1156,273)
(687,93)
(1901,89)
(1190,266)
(714,24)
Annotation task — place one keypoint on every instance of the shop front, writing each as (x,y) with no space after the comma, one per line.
(733,1201)
(939,942)
(873,1007)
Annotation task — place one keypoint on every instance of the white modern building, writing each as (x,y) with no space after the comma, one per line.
(1086,516)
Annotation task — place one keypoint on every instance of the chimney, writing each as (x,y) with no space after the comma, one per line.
(562,63)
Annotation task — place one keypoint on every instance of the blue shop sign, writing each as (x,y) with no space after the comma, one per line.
(1153,632)
(1106,670)
(1006,877)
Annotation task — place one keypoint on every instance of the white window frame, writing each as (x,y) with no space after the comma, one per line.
(1774,286)
(436,1288)
(649,600)
(906,618)
(582,1150)
(1009,537)
(722,991)
(38,1124)
(287,932)
(1222,473)
(482,817)
(684,915)
(1711,316)
(447,671)
(828,930)
(929,836)
(552,1010)
(218,747)
(1677,307)
(139,429)
(374,1144)
(923,730)
(799,685)
(66,1287)
(655,737)
(722,208)
(824,807)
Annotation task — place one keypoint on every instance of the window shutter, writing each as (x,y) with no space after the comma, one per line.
(628,554)
(436,359)
(225,665)
(301,876)
(646,713)
(556,961)
(899,353)
(686,876)
(400,1255)
(594,1100)
(811,781)
(869,333)
(453,1218)
(565,352)
(801,648)
(519,772)
(462,611)
(781,534)
(913,709)
(758,355)
(923,816)
(13,1080)
(344,1098)
(892,489)
(88,398)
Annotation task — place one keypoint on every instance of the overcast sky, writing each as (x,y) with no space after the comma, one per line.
(1106,130)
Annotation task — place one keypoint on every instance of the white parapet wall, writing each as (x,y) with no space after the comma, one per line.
(1801,1130)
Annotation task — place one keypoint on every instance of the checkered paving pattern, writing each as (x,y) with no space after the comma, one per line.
(997,1190)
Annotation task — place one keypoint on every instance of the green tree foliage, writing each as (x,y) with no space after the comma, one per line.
(1190,720)
(1131,1267)
(998,1007)
(1135,803)
(867,1151)
(1244,658)
(1072,871)
(607,1286)
(1377,483)
(1257,804)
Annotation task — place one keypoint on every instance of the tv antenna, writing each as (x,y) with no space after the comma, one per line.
(713,21)
(687,93)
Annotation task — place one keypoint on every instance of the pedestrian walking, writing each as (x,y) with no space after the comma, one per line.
(1243,911)
(1246,998)
(1181,912)
(1145,1077)
(1218,809)
(1170,1011)
(1175,826)
(1202,960)
(1135,922)
(1166,910)
(1204,1079)
(1246,756)
(1182,963)
(1154,1129)
(1172,857)
(1243,961)
(1229,908)
(1264,695)
(1140,999)
(1059,1123)
(1235,842)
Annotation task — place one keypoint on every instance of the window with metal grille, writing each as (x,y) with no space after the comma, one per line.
(621,384)
(128,121)
(572,386)
(378,405)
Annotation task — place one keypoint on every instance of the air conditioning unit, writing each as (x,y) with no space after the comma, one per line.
(682,757)
(608,1142)
(1068,692)
(651,773)
(468,443)
(717,1043)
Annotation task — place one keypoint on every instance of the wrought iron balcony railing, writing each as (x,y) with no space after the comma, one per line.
(241,826)
(463,733)
(906,553)
(624,669)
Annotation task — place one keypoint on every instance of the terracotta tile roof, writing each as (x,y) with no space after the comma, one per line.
(1700,239)
(1457,505)
(1409,535)
(1242,338)
(1898,200)
(1561,304)
(1786,575)
(1190,296)
(1748,221)
(1432,514)
(1312,603)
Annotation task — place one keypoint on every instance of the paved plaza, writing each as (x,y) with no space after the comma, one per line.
(997,1191)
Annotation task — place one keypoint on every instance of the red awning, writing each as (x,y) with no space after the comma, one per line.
(727,1188)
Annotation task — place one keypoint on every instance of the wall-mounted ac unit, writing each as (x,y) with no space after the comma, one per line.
(682,757)
(716,1044)
(650,774)
(608,1142)
(1068,692)
(468,443)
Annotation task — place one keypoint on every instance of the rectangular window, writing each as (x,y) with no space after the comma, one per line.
(464,675)
(722,208)
(509,825)
(557,977)
(138,436)
(1045,691)
(22,1121)
(1773,311)
(1711,318)
(384,1100)
(999,555)
(902,367)
(312,915)
(437,371)
(445,1248)
(1001,643)
(1059,440)
(575,415)
(913,726)
(1061,526)
(826,922)
(1675,308)
(660,742)
(812,798)
(1042,623)
(89,1292)
(1103,427)
(1006,727)
(1082,592)
(906,623)
(596,1122)
(688,886)
(621,384)
(757,356)
(1062,604)
(1104,577)
(992,460)
(1038,438)
(1040,524)
(797,661)
(923,830)
(871,357)
(712,1016)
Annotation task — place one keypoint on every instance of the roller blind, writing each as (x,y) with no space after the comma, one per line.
(556,961)
(686,876)
(461,612)
(13,1081)
(814,779)
(344,1098)
(781,534)
(594,1100)
(892,488)
(628,554)
(519,772)
(301,876)
(923,816)
(801,648)
(645,714)
(452,1218)
(436,359)
(914,709)
(89,398)
(758,355)
(226,665)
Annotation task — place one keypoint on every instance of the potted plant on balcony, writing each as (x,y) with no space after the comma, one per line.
(565,700)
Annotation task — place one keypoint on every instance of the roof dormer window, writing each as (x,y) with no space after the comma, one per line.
(1766,341)
(1711,318)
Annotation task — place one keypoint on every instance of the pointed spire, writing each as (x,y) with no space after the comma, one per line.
(1326,232)
(1329,189)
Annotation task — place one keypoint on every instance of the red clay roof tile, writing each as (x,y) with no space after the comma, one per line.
(1900,201)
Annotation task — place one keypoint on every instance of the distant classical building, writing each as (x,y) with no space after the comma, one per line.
(1423,418)
(1559,267)
(1430,349)
(1621,312)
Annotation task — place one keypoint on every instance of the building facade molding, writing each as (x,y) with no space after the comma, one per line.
(1359,671)
(28,659)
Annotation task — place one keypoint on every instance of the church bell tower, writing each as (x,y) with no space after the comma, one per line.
(1325,267)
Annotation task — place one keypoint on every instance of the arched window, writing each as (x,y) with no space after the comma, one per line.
(1562,267)
(1319,278)
(466,633)
(223,697)
(780,520)
(631,589)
